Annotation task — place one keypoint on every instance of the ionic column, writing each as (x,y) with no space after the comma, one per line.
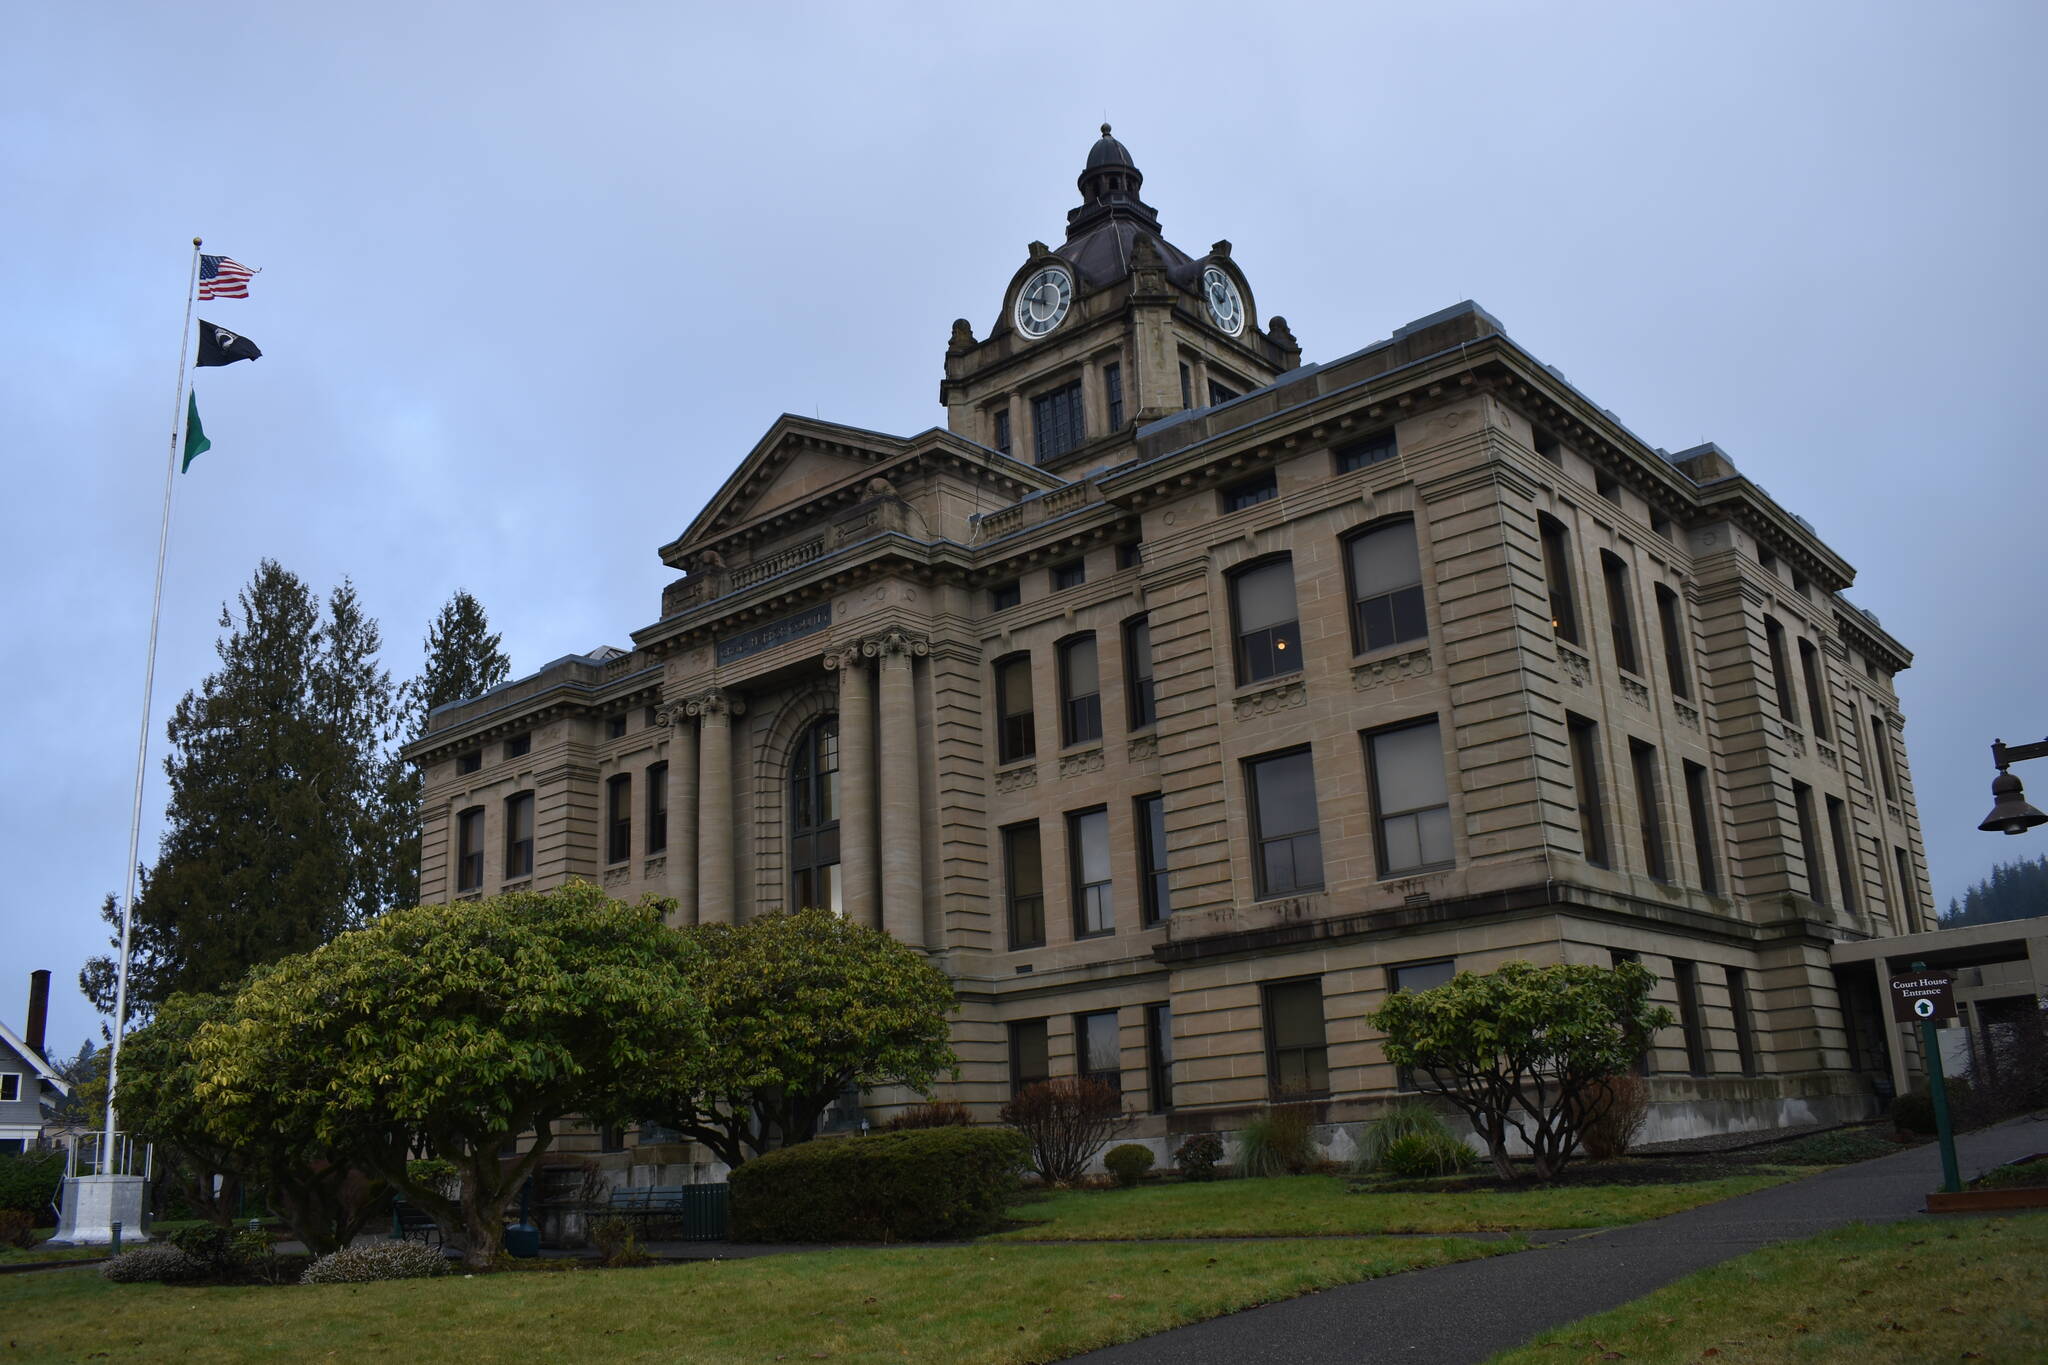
(714,711)
(856,787)
(682,809)
(902,831)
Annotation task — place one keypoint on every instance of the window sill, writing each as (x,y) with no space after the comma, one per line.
(1099,933)
(1423,870)
(1297,893)
(1398,647)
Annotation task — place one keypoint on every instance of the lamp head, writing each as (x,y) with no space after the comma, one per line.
(2010,813)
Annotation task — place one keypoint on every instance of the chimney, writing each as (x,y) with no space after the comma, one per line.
(38,1008)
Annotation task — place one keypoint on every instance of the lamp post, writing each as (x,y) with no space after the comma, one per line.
(2010,813)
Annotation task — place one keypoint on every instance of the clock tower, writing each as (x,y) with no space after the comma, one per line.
(1114,327)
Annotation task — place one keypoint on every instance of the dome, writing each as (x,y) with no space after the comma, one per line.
(1107,151)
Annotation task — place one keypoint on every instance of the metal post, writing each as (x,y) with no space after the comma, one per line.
(114,1244)
(1944,1130)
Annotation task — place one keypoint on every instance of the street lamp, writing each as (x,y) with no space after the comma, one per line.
(2010,813)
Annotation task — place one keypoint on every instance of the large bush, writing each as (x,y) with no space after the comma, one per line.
(924,1185)
(1128,1163)
(1277,1141)
(1616,1111)
(377,1261)
(1403,1118)
(1197,1157)
(153,1263)
(1423,1154)
(17,1229)
(28,1181)
(1067,1122)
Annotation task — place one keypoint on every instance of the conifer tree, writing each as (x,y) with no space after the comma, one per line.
(273,828)
(2015,890)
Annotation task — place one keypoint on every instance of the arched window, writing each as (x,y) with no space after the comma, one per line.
(814,818)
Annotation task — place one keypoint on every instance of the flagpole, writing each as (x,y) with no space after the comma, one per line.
(156,604)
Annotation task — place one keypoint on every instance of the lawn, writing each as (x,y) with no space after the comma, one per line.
(980,1303)
(1324,1206)
(1918,1290)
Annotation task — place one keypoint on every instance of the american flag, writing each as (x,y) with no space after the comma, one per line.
(223,278)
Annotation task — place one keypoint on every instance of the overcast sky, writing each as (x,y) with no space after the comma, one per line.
(536,276)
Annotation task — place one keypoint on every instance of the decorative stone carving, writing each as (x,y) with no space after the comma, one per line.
(617,876)
(1794,739)
(1284,697)
(1577,666)
(716,702)
(1142,748)
(1380,672)
(655,866)
(1636,692)
(895,644)
(1073,765)
(1895,813)
(672,713)
(843,658)
(523,884)
(1017,779)
(1687,717)
(1827,755)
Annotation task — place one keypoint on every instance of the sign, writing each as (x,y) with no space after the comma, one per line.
(808,622)
(1923,998)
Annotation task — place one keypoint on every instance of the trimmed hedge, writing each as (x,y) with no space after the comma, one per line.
(29,1181)
(929,1184)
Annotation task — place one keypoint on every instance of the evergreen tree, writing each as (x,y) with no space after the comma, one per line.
(463,661)
(2016,890)
(275,821)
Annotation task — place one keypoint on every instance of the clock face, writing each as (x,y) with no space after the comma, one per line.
(1042,302)
(1220,291)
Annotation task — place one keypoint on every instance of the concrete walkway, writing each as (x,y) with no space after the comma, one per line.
(1467,1312)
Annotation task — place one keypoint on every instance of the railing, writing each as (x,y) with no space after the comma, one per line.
(746,575)
(85,1155)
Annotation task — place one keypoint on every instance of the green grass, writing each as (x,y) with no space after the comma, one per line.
(1838,1148)
(1321,1205)
(48,1255)
(980,1304)
(1913,1291)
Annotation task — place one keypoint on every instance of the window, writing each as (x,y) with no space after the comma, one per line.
(1386,588)
(1139,694)
(1016,733)
(1024,880)
(1801,586)
(1268,636)
(615,727)
(1781,678)
(10,1086)
(1909,890)
(1881,750)
(1686,975)
(1745,1023)
(1585,744)
(1671,620)
(1297,1062)
(1649,809)
(1003,431)
(1098,1051)
(1113,391)
(1374,449)
(1130,554)
(519,835)
(1660,524)
(1417,976)
(1845,863)
(519,746)
(1056,421)
(1029,1060)
(618,819)
(469,762)
(1410,801)
(1608,487)
(469,849)
(1080,691)
(1187,385)
(1287,841)
(657,808)
(814,818)
(1251,492)
(1088,865)
(1620,614)
(1071,574)
(1547,447)
(1557,576)
(1220,393)
(1152,878)
(1699,804)
(1159,1055)
(1816,708)
(1809,843)
(1004,595)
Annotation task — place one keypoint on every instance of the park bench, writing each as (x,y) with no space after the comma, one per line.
(700,1209)
(409,1222)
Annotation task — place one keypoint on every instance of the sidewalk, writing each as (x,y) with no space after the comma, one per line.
(1467,1312)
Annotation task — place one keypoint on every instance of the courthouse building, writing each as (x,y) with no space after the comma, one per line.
(1181,700)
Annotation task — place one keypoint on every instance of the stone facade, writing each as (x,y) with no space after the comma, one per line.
(1661,729)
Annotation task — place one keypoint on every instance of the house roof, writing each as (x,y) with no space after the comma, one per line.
(44,1071)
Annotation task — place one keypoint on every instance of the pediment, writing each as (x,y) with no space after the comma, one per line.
(795,460)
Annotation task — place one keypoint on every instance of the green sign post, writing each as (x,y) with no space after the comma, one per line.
(1927,998)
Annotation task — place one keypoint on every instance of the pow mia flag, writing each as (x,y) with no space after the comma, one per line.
(219,346)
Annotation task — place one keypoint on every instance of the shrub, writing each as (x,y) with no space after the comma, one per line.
(928,1184)
(1611,1115)
(2017,1175)
(1197,1157)
(1128,1163)
(1400,1119)
(618,1241)
(153,1263)
(17,1229)
(1415,1155)
(937,1114)
(210,1246)
(377,1261)
(1067,1122)
(1278,1141)
(1913,1112)
(29,1180)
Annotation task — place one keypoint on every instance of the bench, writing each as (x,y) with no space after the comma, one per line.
(649,1201)
(409,1222)
(702,1211)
